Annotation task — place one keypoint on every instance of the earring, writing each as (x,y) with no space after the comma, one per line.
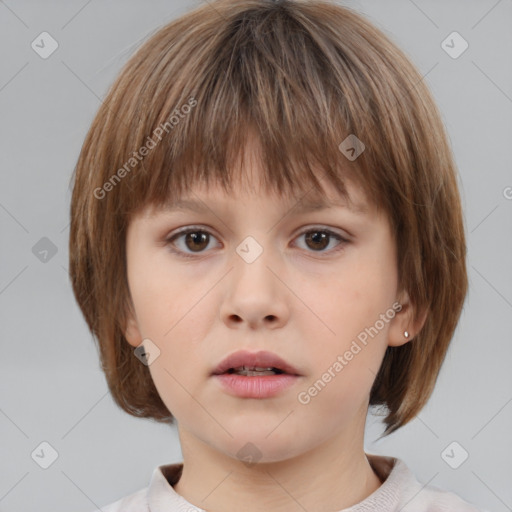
(406,334)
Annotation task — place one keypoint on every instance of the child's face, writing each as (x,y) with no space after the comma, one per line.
(301,298)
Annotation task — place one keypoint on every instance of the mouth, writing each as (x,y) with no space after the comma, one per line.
(260,375)
(250,364)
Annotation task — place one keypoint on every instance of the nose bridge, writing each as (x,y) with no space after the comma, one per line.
(254,254)
(254,294)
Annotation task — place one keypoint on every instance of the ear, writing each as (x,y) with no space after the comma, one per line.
(403,322)
(132,332)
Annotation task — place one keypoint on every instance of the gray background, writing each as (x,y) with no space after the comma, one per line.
(51,386)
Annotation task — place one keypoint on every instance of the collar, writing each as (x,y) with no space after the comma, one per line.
(393,472)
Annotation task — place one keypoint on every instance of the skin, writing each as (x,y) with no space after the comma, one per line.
(305,302)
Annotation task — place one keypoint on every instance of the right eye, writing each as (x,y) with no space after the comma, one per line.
(195,239)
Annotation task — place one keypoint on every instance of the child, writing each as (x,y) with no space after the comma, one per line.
(301,151)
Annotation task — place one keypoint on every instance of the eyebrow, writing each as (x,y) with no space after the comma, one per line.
(302,206)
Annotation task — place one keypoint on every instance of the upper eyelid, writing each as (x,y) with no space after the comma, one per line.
(179,232)
(210,230)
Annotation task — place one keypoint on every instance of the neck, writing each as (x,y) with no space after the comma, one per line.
(333,476)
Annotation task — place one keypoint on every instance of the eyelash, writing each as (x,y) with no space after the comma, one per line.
(170,240)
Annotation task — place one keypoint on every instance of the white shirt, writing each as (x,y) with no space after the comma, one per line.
(400,491)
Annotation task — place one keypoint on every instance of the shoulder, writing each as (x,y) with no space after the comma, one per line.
(433,499)
(402,491)
(135,502)
(158,495)
(429,498)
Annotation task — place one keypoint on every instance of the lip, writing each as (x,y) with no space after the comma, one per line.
(262,359)
(255,387)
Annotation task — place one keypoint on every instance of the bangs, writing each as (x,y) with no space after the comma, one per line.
(249,92)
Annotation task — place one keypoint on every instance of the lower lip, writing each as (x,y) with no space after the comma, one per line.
(265,386)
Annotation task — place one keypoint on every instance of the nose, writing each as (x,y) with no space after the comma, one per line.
(255,292)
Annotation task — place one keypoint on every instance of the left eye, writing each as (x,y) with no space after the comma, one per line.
(197,240)
(320,239)
(194,239)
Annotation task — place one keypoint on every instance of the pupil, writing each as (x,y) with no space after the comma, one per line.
(323,237)
(197,237)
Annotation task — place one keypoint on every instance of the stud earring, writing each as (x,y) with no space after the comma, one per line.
(406,334)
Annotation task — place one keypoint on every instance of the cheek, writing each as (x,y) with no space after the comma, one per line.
(165,301)
(352,298)
(181,367)
(177,315)
(349,315)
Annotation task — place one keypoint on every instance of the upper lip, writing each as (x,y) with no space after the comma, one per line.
(261,359)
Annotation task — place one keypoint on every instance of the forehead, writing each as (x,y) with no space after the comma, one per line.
(200,199)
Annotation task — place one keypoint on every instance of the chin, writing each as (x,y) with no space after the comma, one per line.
(260,449)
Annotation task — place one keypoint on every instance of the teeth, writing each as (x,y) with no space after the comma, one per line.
(254,371)
(254,368)
(249,373)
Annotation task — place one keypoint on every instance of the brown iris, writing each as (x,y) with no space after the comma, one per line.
(200,240)
(318,237)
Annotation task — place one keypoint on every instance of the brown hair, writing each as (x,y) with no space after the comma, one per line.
(304,75)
